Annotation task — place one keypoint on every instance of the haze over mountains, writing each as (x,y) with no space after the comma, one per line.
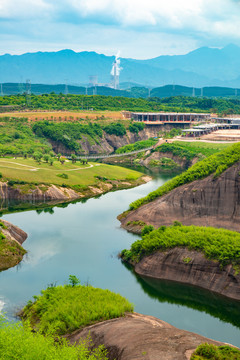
(202,67)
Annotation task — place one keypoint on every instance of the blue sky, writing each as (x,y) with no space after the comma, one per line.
(138,29)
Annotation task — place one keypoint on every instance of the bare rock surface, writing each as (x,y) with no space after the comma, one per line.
(191,267)
(11,248)
(207,202)
(141,337)
(14,232)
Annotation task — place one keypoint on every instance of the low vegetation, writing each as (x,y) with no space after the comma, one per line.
(21,343)
(16,137)
(99,102)
(63,309)
(211,352)
(216,244)
(138,145)
(216,163)
(23,173)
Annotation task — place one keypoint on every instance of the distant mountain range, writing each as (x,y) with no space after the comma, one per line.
(202,67)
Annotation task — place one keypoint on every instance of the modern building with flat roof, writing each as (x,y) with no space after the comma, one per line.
(169,117)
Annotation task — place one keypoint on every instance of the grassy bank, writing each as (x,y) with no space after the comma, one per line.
(190,150)
(21,343)
(29,171)
(216,244)
(138,145)
(216,163)
(63,309)
(11,253)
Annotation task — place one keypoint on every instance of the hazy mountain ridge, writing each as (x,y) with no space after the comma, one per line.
(201,67)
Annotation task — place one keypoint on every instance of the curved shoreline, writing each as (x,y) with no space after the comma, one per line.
(52,193)
(191,267)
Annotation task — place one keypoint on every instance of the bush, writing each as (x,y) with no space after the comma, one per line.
(209,351)
(63,175)
(63,309)
(138,145)
(216,244)
(115,129)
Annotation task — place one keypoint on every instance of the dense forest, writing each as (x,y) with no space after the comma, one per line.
(20,137)
(53,101)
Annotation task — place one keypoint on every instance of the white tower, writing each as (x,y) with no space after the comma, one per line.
(115,72)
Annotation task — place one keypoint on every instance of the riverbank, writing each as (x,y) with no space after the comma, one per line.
(181,253)
(27,180)
(11,250)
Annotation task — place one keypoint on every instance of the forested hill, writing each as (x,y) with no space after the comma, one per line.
(99,102)
(126,89)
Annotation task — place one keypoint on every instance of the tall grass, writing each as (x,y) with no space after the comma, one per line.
(21,343)
(63,309)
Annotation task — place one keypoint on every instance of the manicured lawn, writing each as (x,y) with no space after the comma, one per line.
(29,170)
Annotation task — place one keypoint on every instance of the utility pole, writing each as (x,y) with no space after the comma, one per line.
(66,87)
(201,92)
(1,89)
(28,92)
(193,92)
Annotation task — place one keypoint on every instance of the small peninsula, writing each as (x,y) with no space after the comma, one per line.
(201,256)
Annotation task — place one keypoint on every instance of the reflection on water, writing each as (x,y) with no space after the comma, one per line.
(193,297)
(84,239)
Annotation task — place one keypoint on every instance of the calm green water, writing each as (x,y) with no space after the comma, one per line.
(84,239)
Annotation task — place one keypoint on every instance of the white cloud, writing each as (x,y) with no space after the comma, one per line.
(15,9)
(137,27)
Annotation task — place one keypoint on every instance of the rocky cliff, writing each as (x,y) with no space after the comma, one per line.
(207,202)
(13,232)
(56,194)
(106,144)
(191,267)
(11,246)
(137,336)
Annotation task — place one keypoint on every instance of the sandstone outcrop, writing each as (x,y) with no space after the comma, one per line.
(207,202)
(137,336)
(56,194)
(14,232)
(12,251)
(191,267)
(107,144)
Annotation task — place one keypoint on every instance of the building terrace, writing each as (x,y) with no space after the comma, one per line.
(168,117)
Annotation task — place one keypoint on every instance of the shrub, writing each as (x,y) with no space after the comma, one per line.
(63,309)
(209,351)
(216,244)
(63,175)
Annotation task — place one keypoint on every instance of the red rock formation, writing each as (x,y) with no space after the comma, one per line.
(191,267)
(137,336)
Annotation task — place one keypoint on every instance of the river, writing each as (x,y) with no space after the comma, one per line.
(84,239)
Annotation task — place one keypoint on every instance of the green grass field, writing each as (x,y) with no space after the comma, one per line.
(204,148)
(30,171)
